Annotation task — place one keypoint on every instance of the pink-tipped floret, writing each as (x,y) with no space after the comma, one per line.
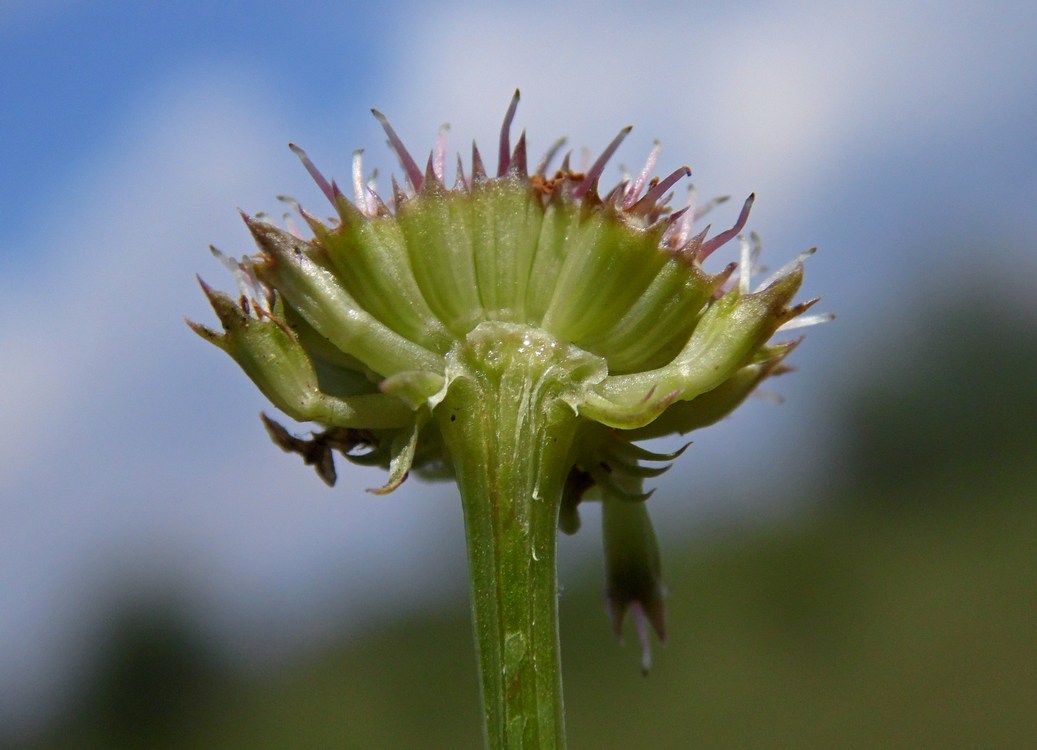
(410,167)
(504,151)
(591,178)
(630,197)
(644,206)
(711,245)
(320,179)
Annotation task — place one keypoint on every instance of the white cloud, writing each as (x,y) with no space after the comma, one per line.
(87,336)
(130,445)
(766,96)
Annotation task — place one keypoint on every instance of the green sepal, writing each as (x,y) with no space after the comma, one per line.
(436,230)
(606,267)
(414,387)
(370,257)
(725,339)
(633,577)
(659,321)
(290,266)
(363,378)
(712,406)
(402,450)
(505,217)
(272,357)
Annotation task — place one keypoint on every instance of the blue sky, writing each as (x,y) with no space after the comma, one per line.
(896,136)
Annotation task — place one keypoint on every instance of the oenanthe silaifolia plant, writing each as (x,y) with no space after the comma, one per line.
(522,332)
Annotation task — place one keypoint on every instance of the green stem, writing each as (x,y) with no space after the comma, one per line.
(509,436)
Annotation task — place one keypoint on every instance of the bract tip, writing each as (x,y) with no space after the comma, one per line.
(711,245)
(315,174)
(410,167)
(504,151)
(599,166)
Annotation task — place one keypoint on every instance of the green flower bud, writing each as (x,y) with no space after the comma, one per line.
(520,332)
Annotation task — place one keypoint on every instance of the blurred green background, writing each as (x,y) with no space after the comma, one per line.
(896,608)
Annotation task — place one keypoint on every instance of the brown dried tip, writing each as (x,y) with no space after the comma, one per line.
(315,452)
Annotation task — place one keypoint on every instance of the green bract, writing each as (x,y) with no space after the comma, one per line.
(519,332)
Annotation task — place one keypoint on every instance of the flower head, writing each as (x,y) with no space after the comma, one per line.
(370,323)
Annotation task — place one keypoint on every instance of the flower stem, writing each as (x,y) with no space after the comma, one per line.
(509,436)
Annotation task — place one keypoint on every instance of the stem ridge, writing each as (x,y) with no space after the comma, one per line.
(510,430)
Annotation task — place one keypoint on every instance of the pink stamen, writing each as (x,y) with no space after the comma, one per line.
(671,237)
(646,204)
(410,167)
(642,179)
(321,181)
(504,152)
(711,245)
(693,199)
(599,166)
